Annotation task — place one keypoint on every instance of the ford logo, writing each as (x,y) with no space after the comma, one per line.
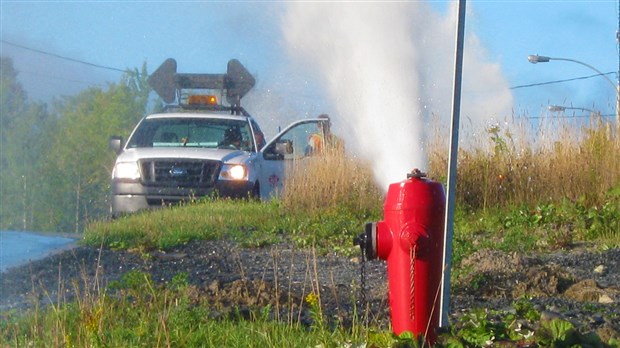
(178,172)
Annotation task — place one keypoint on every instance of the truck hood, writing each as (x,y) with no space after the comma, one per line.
(226,156)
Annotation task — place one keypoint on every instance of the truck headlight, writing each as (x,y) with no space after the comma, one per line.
(233,172)
(126,170)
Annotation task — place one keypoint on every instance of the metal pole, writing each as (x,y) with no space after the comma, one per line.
(618,76)
(452,164)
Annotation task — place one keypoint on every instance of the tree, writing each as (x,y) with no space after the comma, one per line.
(78,159)
(55,166)
(24,126)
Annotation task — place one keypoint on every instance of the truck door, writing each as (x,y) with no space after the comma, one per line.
(289,149)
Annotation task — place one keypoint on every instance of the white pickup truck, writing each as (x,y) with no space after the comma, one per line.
(202,148)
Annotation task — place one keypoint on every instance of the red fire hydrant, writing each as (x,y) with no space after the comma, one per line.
(410,238)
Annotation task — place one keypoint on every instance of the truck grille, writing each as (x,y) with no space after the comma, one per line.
(179,173)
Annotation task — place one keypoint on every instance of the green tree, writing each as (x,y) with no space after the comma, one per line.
(24,126)
(78,161)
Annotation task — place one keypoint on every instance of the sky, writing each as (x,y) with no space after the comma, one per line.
(383,70)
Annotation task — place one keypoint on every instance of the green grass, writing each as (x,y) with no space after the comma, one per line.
(135,312)
(253,224)
(247,222)
(170,226)
(543,227)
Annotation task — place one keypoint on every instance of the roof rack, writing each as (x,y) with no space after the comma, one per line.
(168,83)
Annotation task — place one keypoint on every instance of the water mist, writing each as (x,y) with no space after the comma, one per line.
(386,67)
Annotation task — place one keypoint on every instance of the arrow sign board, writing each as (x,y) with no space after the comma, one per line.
(162,80)
(166,81)
(238,81)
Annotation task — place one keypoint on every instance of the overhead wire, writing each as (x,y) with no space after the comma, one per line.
(127,70)
(54,77)
(63,57)
(565,80)
(568,116)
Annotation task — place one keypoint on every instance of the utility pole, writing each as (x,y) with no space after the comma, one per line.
(618,76)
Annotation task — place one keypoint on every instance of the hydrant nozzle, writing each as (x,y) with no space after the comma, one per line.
(416,173)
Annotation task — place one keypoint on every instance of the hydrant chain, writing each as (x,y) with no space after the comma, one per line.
(412,282)
(363,302)
(368,250)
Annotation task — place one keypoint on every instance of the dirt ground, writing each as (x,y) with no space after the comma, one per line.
(581,285)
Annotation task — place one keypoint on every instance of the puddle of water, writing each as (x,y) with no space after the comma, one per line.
(17,248)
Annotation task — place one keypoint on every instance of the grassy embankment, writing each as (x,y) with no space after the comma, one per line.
(512,196)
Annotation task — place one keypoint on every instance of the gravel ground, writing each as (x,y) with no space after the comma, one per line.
(580,285)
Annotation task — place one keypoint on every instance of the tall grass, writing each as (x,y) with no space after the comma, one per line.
(511,167)
(506,166)
(560,182)
(330,180)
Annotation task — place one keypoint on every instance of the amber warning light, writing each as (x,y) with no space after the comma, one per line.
(202,100)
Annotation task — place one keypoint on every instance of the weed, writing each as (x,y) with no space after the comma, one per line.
(318,322)
(480,330)
(557,333)
(524,308)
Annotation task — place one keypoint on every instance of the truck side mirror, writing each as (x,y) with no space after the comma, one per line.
(278,150)
(284,147)
(115,143)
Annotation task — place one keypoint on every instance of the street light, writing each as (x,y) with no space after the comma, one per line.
(560,108)
(534,58)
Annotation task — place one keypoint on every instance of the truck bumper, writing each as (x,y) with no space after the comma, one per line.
(133,197)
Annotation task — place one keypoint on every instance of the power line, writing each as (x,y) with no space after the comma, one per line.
(558,81)
(126,71)
(568,117)
(54,77)
(63,57)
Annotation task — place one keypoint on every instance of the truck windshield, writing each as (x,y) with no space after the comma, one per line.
(193,132)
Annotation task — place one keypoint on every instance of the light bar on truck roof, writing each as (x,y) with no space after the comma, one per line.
(202,99)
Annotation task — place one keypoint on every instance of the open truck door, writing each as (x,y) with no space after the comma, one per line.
(285,152)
